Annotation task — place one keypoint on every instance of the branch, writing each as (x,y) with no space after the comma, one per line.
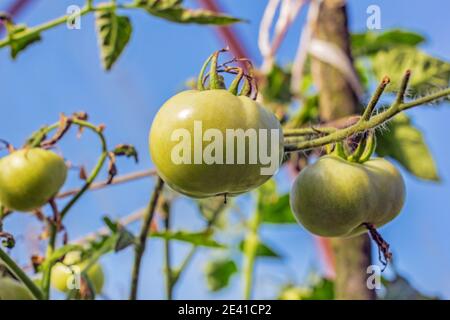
(363,124)
(117,180)
(139,248)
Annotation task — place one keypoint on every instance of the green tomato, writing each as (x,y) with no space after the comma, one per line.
(334,197)
(215,109)
(30,177)
(11,289)
(64,275)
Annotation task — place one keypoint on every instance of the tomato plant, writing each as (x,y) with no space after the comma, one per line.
(30,177)
(11,289)
(335,197)
(224,112)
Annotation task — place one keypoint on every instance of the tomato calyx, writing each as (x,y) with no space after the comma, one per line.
(365,147)
(216,80)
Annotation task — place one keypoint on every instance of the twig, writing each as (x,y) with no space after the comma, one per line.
(363,125)
(117,180)
(139,248)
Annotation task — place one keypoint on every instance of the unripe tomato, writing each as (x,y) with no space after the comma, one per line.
(11,289)
(64,275)
(334,197)
(30,177)
(215,109)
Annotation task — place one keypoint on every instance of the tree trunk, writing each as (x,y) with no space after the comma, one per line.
(337,99)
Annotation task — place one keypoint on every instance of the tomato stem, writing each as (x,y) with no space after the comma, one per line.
(21,275)
(234,86)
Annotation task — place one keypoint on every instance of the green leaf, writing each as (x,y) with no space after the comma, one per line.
(173,10)
(321,289)
(369,43)
(428,74)
(18,45)
(113,32)
(196,238)
(274,208)
(277,87)
(219,272)
(405,143)
(400,289)
(263,250)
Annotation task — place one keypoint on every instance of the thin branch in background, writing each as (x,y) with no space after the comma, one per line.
(117,180)
(139,248)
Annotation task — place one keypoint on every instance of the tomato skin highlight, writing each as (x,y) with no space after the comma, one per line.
(334,197)
(11,289)
(216,109)
(30,177)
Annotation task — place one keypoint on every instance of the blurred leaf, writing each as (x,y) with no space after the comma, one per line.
(405,143)
(113,32)
(307,113)
(277,86)
(401,289)
(219,272)
(211,208)
(322,289)
(273,207)
(262,251)
(125,239)
(196,238)
(173,10)
(17,45)
(428,74)
(370,42)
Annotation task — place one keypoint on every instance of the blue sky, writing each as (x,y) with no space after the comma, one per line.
(63,74)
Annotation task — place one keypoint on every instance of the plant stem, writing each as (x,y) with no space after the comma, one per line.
(364,125)
(63,19)
(18,272)
(251,244)
(52,227)
(139,248)
(168,265)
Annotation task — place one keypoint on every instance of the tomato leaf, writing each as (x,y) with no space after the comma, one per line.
(273,207)
(173,10)
(263,250)
(369,43)
(202,238)
(405,143)
(277,88)
(113,32)
(219,272)
(400,289)
(428,73)
(18,45)
(320,289)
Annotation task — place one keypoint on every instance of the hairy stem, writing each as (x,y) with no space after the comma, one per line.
(22,276)
(167,258)
(139,248)
(364,125)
